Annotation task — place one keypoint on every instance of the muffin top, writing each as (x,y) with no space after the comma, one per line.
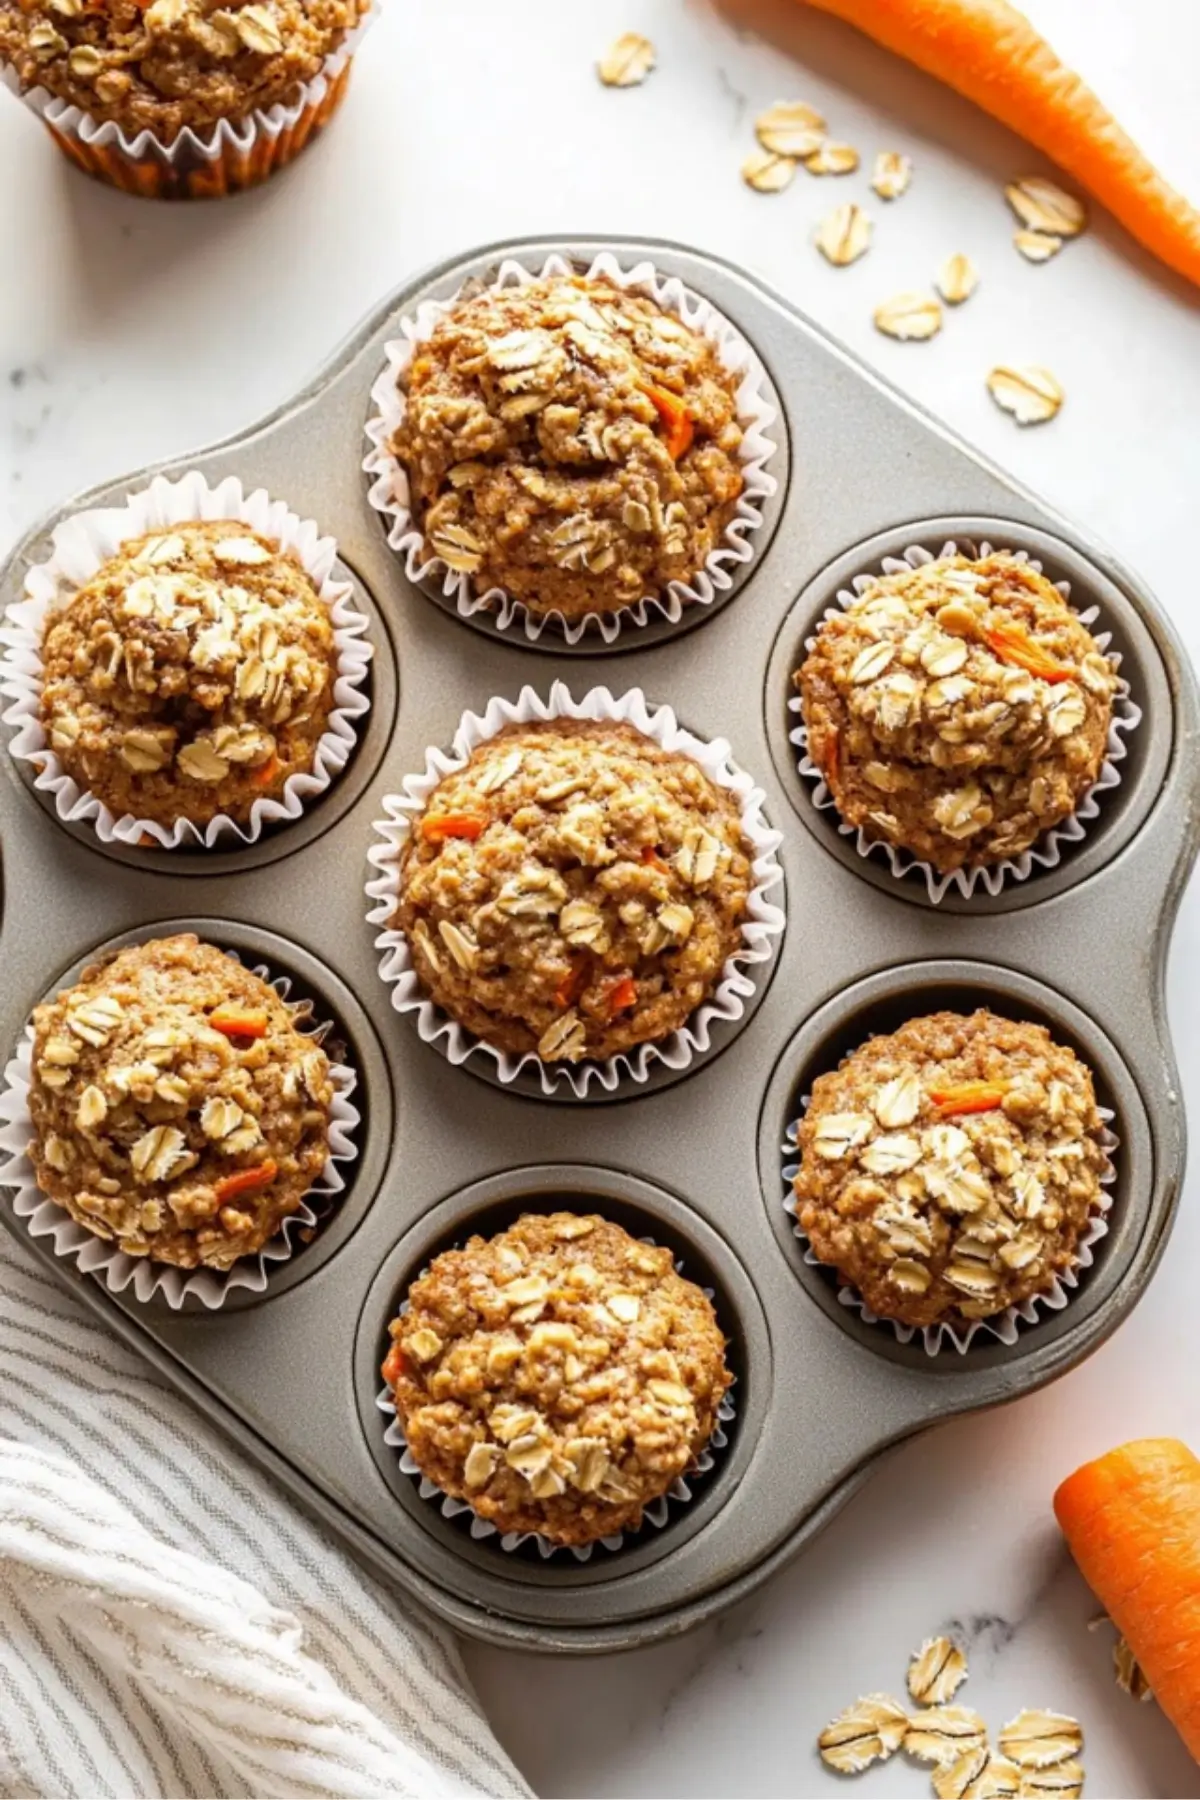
(948,1170)
(173,63)
(177,1109)
(191,675)
(571,443)
(574,890)
(958,709)
(557,1377)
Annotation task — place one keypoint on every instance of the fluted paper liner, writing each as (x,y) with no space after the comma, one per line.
(85,540)
(390,495)
(1047,852)
(760,927)
(92,1255)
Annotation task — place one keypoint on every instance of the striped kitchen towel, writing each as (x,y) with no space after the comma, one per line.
(170,1624)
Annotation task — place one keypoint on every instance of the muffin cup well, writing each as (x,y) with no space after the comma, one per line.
(1005,1325)
(92,1255)
(85,540)
(759,931)
(390,495)
(1047,851)
(197,165)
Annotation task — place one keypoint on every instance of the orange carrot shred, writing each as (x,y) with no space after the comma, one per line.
(1012,644)
(265,774)
(394,1364)
(572,984)
(437,827)
(989,51)
(969,1097)
(237,1021)
(681,428)
(651,857)
(243,1181)
(1132,1521)
(622,996)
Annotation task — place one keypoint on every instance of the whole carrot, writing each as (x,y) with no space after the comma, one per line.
(990,52)
(1132,1520)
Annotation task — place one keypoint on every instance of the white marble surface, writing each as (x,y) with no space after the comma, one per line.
(129,332)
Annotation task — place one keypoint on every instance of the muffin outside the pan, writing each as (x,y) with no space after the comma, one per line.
(948,1171)
(176,67)
(571,443)
(574,890)
(957,710)
(191,676)
(177,1109)
(558,1377)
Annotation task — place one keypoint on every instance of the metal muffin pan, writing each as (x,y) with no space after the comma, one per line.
(292,1375)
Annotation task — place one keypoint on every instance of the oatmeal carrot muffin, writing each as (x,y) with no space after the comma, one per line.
(957,710)
(574,890)
(190,676)
(558,1377)
(947,1171)
(570,443)
(176,1108)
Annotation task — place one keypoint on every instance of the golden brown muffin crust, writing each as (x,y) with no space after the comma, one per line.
(948,1170)
(178,1140)
(557,1377)
(596,900)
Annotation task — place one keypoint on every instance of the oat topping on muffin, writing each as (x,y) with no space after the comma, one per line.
(177,1109)
(574,890)
(192,675)
(571,443)
(958,710)
(558,1377)
(171,64)
(948,1170)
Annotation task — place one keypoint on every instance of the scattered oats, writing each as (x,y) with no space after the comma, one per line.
(897,1103)
(241,552)
(1043,206)
(909,1276)
(699,855)
(790,128)
(57,1153)
(870,663)
(219,1117)
(458,549)
(891,1155)
(839,1133)
(670,1394)
(85,62)
(942,1734)
(1064,1779)
(957,279)
(767,173)
(909,317)
(481,1460)
(979,1775)
(462,948)
(92,1108)
(159,1153)
(200,762)
(893,172)
(591,1462)
(832,159)
(844,236)
(497,773)
(1068,711)
(565,1040)
(628,62)
(625,1307)
(424,1344)
(1036,1739)
(1037,246)
(45,41)
(936,1672)
(1029,393)
(1130,1675)
(869,1731)
(943,656)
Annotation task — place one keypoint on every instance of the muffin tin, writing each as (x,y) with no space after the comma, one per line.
(292,1374)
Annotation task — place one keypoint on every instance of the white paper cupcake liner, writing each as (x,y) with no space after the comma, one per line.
(656,1515)
(760,928)
(223,159)
(1047,852)
(102,1258)
(1005,1325)
(85,540)
(390,495)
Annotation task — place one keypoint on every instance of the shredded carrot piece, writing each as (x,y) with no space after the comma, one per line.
(437,827)
(236,1021)
(242,1181)
(394,1364)
(622,996)
(265,774)
(969,1097)
(652,859)
(572,984)
(1013,644)
(989,51)
(681,428)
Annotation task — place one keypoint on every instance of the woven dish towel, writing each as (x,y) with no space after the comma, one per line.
(170,1624)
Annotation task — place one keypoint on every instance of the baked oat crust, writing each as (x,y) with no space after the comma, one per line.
(574,890)
(150,1122)
(191,676)
(947,1171)
(558,1377)
(172,64)
(957,710)
(571,443)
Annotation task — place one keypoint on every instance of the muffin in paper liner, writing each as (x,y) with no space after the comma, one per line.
(230,156)
(1006,1325)
(760,929)
(657,1514)
(389,491)
(119,1271)
(1047,852)
(85,540)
